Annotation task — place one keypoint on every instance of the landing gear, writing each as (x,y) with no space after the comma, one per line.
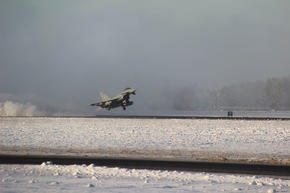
(127,97)
(124,103)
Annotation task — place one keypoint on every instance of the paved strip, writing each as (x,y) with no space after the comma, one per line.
(195,166)
(170,117)
(192,117)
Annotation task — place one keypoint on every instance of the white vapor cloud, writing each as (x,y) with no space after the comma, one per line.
(10,108)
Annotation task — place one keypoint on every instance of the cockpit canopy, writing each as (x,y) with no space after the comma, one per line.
(128,88)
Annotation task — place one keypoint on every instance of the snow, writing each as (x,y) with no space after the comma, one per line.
(73,178)
(154,138)
(230,140)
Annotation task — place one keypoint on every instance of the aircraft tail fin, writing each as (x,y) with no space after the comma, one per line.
(104,97)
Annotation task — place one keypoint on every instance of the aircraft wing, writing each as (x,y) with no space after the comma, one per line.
(95,104)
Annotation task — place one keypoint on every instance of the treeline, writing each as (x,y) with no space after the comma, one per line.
(272,94)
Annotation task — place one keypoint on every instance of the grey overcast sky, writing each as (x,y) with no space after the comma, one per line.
(70,50)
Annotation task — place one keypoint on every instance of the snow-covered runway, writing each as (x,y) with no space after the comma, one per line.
(224,140)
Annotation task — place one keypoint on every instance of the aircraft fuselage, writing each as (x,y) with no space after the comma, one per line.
(121,100)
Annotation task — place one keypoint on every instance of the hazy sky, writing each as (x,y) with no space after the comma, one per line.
(70,50)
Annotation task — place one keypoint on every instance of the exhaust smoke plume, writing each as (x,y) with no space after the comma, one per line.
(10,108)
(33,105)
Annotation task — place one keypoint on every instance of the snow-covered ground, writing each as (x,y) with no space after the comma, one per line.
(264,141)
(223,140)
(55,178)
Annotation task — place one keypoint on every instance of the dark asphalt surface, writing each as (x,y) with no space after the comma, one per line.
(195,166)
(255,118)
(194,117)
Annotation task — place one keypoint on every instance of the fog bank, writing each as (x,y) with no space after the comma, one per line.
(63,53)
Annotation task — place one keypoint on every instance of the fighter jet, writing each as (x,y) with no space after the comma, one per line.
(121,100)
